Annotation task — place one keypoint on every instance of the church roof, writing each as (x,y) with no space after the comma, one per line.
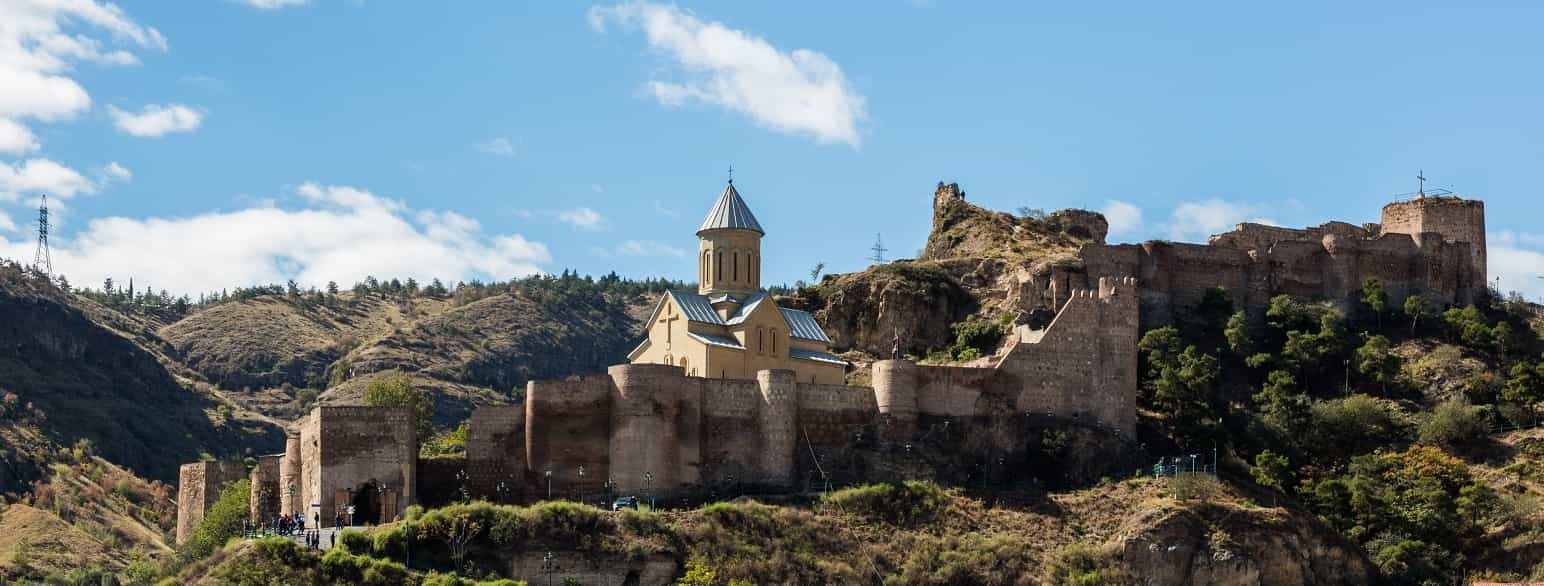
(803,325)
(730,212)
(712,340)
(696,307)
(816,356)
(747,306)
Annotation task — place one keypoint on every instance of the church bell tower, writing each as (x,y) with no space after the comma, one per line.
(729,247)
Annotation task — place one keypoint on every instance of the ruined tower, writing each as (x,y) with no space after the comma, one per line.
(1454,219)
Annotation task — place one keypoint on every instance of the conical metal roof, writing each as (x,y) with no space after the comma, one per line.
(730,212)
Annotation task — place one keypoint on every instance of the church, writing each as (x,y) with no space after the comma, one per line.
(730,328)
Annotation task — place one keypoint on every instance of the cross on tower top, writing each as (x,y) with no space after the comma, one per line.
(731,173)
(1421,191)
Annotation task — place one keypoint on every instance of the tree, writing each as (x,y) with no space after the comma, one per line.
(1284,406)
(1503,337)
(1181,380)
(396,390)
(1373,297)
(1453,424)
(1524,383)
(1376,362)
(222,521)
(1417,307)
(1237,334)
(815,272)
(332,288)
(1272,470)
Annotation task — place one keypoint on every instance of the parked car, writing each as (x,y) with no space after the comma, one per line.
(626,502)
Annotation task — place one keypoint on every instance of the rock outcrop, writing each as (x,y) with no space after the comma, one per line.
(1230,545)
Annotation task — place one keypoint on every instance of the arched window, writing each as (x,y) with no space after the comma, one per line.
(718,269)
(735,274)
(750,258)
(760,340)
(684,365)
(774,341)
(702,267)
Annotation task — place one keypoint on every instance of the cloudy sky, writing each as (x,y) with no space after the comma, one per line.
(206,144)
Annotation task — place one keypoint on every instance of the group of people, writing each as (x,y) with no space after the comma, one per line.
(289,524)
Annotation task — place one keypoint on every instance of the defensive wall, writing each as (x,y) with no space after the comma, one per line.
(1434,246)
(198,486)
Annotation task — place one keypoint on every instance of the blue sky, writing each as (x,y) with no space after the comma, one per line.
(200,145)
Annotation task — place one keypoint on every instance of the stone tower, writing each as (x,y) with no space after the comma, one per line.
(729,251)
(1454,220)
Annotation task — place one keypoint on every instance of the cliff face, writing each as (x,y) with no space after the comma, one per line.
(1207,544)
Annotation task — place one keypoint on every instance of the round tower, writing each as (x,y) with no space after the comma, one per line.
(895,391)
(289,477)
(778,418)
(729,247)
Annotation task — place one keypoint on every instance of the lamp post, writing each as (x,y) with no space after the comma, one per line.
(381,489)
(581,484)
(502,488)
(461,477)
(548,474)
(648,488)
(548,563)
(611,486)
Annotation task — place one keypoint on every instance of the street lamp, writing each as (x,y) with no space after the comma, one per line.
(648,488)
(581,484)
(548,473)
(382,489)
(549,563)
(461,477)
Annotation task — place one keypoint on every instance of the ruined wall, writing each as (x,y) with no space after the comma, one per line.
(1457,220)
(198,486)
(264,502)
(568,425)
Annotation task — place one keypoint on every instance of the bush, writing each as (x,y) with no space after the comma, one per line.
(355,542)
(1453,424)
(900,503)
(391,543)
(975,337)
(1353,425)
(1083,564)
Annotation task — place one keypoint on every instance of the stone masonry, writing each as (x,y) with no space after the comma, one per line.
(198,486)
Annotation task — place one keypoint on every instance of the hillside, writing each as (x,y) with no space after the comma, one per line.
(76,371)
(1169,532)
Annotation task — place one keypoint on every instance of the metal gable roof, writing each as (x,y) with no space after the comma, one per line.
(803,325)
(730,212)
(716,340)
(816,356)
(749,305)
(696,307)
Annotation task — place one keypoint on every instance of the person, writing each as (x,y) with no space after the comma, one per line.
(338,520)
(316,518)
(300,523)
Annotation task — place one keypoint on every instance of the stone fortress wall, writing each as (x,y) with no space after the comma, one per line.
(198,486)
(1433,245)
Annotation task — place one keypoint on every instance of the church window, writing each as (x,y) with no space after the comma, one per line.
(774,342)
(735,262)
(718,271)
(760,340)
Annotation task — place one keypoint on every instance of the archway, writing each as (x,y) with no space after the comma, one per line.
(367,504)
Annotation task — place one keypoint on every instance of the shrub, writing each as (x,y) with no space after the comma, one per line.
(1353,425)
(1453,424)
(900,503)
(1083,564)
(355,542)
(975,334)
(391,543)
(222,521)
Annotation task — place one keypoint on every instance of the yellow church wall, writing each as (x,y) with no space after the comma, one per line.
(729,260)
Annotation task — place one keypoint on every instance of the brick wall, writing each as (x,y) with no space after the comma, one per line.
(264,501)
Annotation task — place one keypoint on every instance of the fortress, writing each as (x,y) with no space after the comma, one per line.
(710,401)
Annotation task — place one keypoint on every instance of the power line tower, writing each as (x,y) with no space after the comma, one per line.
(879,250)
(43,261)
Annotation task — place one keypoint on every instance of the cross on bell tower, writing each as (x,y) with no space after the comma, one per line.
(1421,190)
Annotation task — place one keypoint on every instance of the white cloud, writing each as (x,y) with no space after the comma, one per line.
(648,248)
(1125,219)
(35,176)
(1200,219)
(15,138)
(499,147)
(339,236)
(584,218)
(115,172)
(156,120)
(800,92)
(6,225)
(271,4)
(37,53)
(659,208)
(1516,259)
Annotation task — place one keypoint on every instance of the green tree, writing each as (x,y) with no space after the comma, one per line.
(1416,307)
(1272,470)
(1374,298)
(1453,424)
(698,573)
(1376,362)
(1524,383)
(222,520)
(1181,381)
(396,390)
(1282,404)
(1504,338)
(1240,343)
